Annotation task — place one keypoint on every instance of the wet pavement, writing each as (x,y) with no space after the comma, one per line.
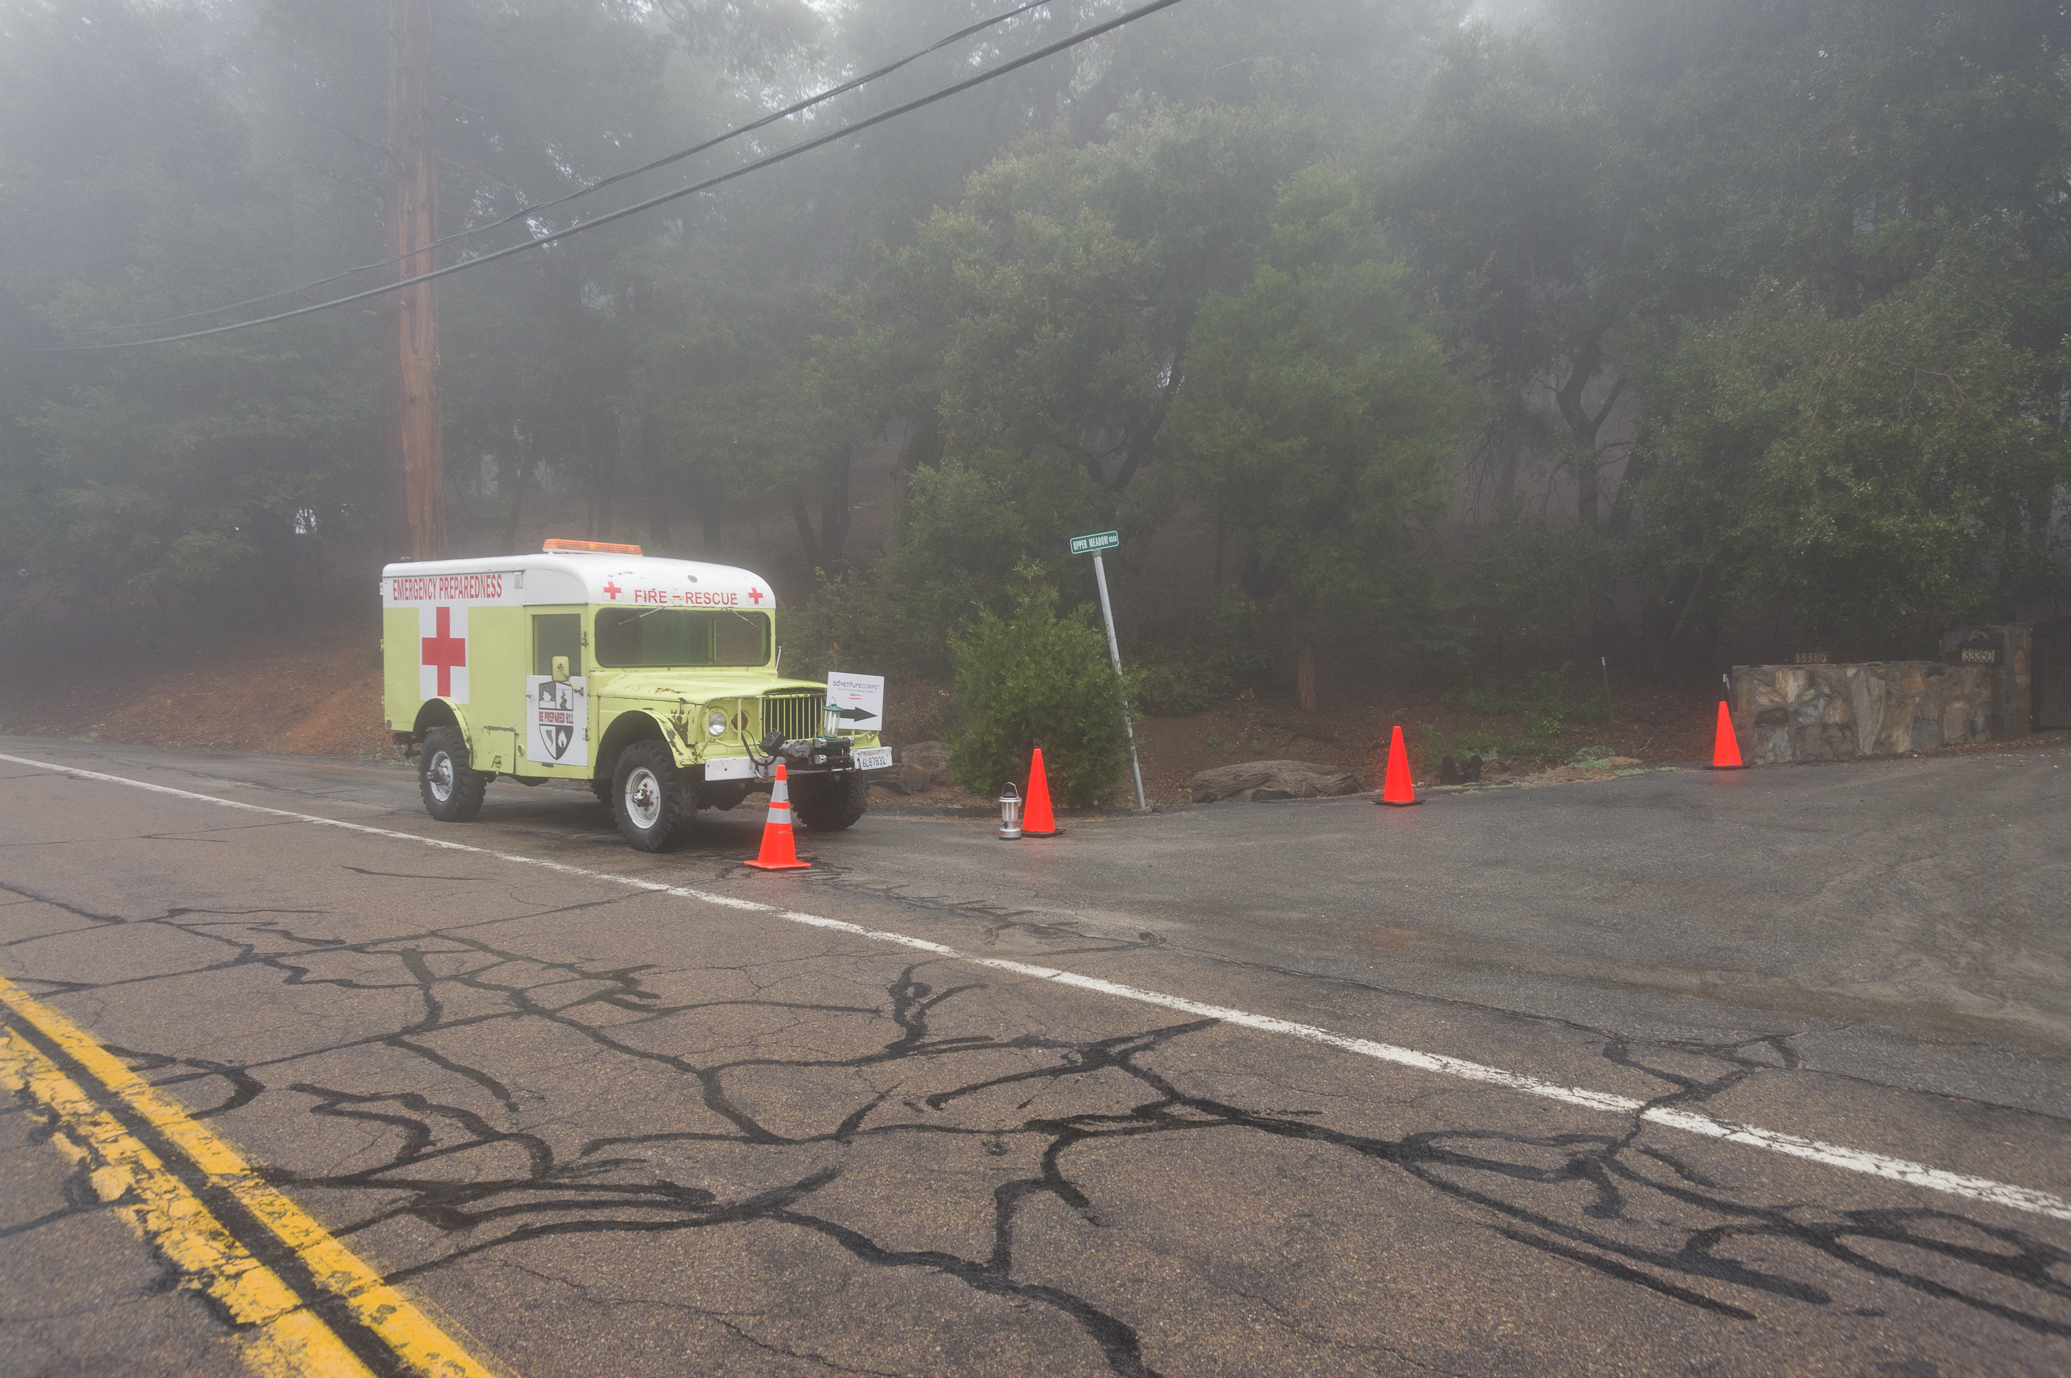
(621,1114)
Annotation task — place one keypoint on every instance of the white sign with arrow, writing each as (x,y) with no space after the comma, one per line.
(857,701)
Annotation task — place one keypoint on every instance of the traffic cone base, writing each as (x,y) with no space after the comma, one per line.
(1725,751)
(1036,818)
(779,851)
(1398,790)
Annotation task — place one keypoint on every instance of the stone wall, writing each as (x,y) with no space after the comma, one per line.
(1881,708)
(2013,682)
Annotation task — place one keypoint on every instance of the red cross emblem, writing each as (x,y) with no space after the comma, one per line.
(614,590)
(755,596)
(444,651)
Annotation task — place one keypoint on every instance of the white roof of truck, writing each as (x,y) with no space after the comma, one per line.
(574,576)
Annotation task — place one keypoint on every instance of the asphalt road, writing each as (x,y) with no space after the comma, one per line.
(920,1110)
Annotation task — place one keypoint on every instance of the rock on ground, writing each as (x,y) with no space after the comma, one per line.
(918,766)
(907,779)
(933,757)
(1257,781)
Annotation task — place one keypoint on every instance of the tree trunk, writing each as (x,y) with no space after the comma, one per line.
(651,472)
(834,506)
(520,473)
(924,442)
(599,444)
(1690,588)
(1583,427)
(1255,579)
(467,517)
(275,532)
(711,511)
(1587,497)
(1503,447)
(823,551)
(416,479)
(1140,445)
(804,519)
(1637,467)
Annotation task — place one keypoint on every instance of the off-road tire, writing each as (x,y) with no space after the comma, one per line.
(452,792)
(600,785)
(829,803)
(654,802)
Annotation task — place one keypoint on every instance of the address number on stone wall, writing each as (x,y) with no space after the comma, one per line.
(1980,655)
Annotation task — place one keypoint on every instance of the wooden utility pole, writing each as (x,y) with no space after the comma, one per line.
(416,465)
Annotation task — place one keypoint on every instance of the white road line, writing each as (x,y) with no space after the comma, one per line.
(1669,1117)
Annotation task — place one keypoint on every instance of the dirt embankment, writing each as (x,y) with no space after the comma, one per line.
(310,685)
(303,687)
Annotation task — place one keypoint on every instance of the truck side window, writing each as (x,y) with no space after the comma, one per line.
(556,634)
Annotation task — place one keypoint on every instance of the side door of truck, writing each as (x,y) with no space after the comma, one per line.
(560,723)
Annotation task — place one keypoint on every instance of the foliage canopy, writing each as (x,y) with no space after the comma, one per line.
(1629,329)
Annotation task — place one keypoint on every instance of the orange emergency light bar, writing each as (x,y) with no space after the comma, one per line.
(594,547)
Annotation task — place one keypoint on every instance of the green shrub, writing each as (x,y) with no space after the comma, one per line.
(1474,741)
(1481,697)
(1548,704)
(1173,684)
(1550,698)
(1173,681)
(1483,743)
(957,539)
(1037,679)
(1529,583)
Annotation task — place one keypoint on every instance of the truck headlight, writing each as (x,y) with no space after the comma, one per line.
(716,723)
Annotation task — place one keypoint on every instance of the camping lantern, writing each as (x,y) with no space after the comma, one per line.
(830,719)
(1010,814)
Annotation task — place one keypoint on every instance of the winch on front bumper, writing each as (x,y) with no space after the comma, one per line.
(815,753)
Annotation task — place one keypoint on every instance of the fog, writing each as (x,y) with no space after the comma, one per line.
(1433,337)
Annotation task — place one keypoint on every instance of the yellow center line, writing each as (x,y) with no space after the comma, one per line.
(152,1186)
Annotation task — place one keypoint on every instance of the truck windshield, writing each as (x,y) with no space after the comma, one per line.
(638,637)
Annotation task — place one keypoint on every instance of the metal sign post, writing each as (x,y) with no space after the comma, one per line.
(1094,544)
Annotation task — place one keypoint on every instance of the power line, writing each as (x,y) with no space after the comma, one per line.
(782,155)
(526,212)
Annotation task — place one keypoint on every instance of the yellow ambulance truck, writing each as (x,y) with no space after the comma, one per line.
(655,681)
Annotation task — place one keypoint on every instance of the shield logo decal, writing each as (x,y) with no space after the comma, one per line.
(556,717)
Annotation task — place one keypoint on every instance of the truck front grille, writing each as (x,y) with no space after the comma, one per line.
(797,716)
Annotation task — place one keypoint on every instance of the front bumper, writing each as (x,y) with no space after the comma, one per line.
(818,756)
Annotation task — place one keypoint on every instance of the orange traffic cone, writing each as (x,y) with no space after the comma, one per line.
(1725,751)
(778,851)
(1397,789)
(1036,820)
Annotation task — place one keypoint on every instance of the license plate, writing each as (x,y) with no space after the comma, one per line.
(874,758)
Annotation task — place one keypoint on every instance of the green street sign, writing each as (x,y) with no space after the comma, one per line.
(1099,540)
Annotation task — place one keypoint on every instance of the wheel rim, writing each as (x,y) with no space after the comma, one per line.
(643,797)
(439,775)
